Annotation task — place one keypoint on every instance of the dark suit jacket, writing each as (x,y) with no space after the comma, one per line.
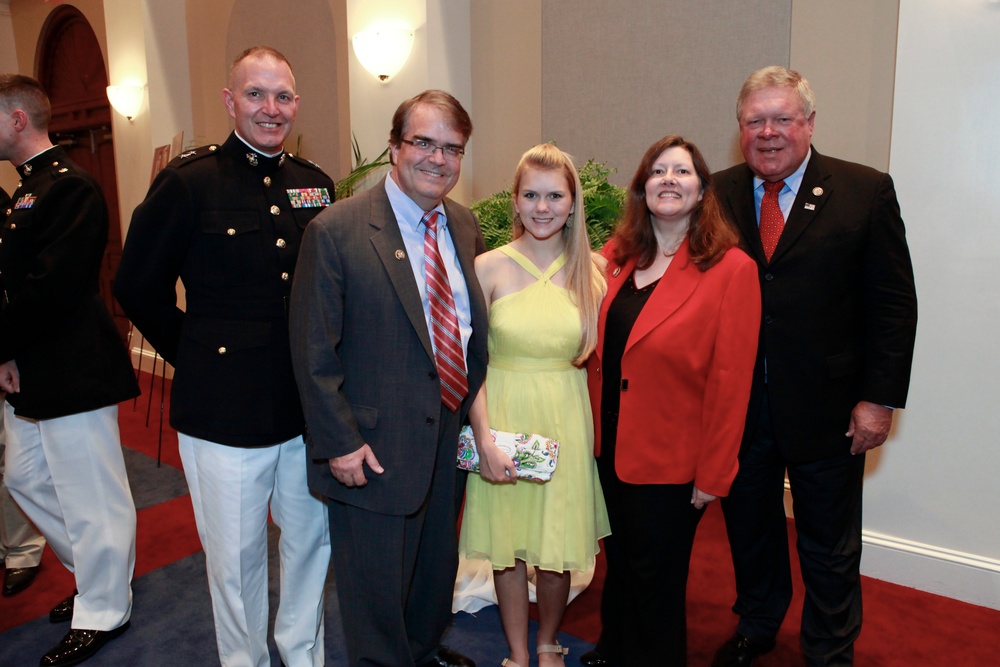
(839,304)
(228,221)
(688,364)
(54,323)
(362,352)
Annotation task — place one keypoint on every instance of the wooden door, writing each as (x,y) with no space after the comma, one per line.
(71,69)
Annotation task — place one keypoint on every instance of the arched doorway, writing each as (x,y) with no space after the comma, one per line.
(71,69)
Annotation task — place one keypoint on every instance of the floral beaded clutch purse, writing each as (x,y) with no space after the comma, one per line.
(535,456)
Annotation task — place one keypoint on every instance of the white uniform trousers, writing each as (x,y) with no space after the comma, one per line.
(231,489)
(68,475)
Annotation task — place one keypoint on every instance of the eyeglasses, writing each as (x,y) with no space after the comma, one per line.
(427,148)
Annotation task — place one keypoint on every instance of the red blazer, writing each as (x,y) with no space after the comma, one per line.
(689,364)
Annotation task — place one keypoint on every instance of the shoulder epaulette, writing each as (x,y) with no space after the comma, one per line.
(307,163)
(193,155)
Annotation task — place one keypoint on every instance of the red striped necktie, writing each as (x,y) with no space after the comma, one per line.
(445,333)
(771,221)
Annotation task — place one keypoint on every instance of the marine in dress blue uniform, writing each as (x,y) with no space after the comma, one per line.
(228,221)
(65,368)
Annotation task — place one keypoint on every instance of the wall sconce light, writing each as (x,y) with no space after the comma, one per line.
(383,51)
(126,100)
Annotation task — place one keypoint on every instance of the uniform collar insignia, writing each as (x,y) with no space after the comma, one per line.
(245,154)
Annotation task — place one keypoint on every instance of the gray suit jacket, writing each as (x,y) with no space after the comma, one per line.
(362,352)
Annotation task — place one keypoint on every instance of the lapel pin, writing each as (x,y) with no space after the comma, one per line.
(817,191)
(810,207)
(617,270)
(400,254)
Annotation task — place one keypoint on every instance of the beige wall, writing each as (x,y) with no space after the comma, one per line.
(613,82)
(441,58)
(127,64)
(373,102)
(316,45)
(8,63)
(317,49)
(506,88)
(847,51)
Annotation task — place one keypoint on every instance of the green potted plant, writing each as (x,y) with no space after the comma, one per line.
(362,168)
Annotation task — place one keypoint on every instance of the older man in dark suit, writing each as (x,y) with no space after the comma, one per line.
(388,328)
(836,342)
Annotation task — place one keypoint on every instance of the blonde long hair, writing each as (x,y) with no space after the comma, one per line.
(584,278)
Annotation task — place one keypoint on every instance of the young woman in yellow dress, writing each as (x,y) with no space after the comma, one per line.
(543,290)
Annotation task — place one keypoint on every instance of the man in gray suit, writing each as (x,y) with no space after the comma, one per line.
(383,398)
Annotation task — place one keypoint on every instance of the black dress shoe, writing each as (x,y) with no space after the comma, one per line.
(447,658)
(740,651)
(17,579)
(79,645)
(595,659)
(63,611)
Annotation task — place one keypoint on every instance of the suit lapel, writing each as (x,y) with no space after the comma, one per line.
(616,278)
(741,203)
(813,194)
(674,288)
(388,243)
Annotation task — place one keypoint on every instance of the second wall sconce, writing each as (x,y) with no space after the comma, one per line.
(383,51)
(126,100)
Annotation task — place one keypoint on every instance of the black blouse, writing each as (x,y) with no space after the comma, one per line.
(622,314)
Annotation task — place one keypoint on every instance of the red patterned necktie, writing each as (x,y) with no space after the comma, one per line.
(771,220)
(444,321)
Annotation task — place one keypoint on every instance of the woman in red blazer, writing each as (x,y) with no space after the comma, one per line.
(670,380)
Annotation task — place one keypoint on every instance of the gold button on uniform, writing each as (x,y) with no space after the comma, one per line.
(284,275)
(267,181)
(222,350)
(280,243)
(13,225)
(231,231)
(275,210)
